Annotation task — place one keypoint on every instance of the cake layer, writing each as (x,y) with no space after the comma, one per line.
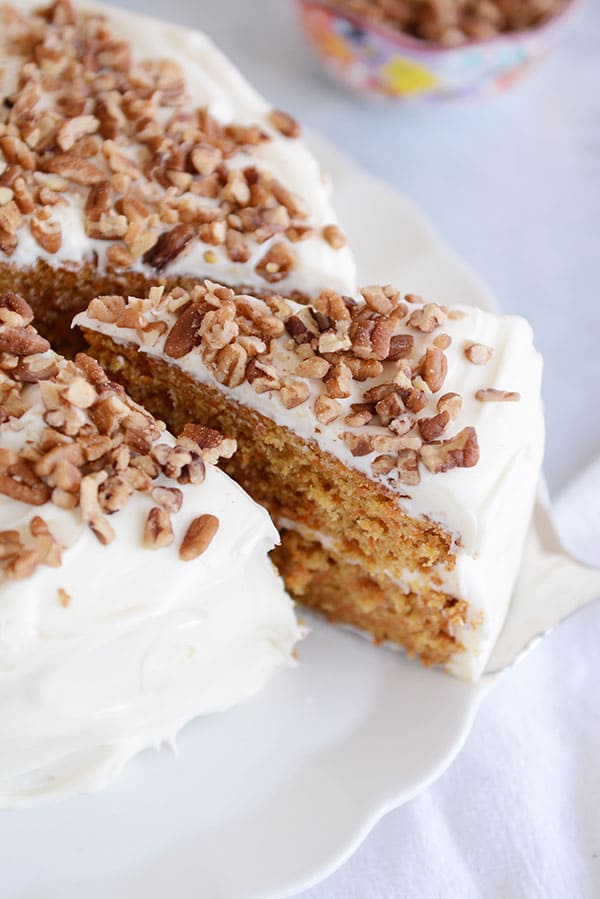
(135,588)
(409,434)
(130,145)
(424,620)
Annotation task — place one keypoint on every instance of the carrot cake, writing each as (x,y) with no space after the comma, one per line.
(396,443)
(135,587)
(133,153)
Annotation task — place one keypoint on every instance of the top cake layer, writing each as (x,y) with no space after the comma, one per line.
(414,395)
(137,144)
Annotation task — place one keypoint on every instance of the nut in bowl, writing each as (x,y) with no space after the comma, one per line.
(405,49)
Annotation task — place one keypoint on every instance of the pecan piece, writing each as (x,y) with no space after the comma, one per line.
(73,168)
(22,342)
(450,402)
(478,353)
(183,336)
(327,409)
(408,467)
(432,428)
(19,482)
(14,310)
(492,395)
(158,530)
(198,537)
(284,123)
(434,368)
(461,451)
(334,236)
(276,264)
(169,245)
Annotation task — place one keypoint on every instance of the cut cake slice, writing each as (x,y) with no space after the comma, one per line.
(396,443)
(135,587)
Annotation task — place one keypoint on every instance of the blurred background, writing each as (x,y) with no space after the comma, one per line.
(512,182)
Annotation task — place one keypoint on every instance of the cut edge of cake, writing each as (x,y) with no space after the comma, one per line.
(400,437)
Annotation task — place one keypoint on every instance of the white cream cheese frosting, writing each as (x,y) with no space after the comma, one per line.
(486,509)
(213,82)
(114,650)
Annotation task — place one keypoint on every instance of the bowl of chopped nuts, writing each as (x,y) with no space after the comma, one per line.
(431,49)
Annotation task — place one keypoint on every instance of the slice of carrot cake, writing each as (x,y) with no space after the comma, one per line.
(396,443)
(135,587)
(132,153)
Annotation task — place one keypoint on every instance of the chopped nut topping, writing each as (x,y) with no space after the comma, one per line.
(294,393)
(492,395)
(198,537)
(451,403)
(158,530)
(461,451)
(284,123)
(327,409)
(95,447)
(334,236)
(384,382)
(90,122)
(478,353)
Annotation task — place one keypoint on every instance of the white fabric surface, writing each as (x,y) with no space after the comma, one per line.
(514,186)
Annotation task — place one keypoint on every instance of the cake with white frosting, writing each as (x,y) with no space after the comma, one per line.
(396,444)
(136,591)
(132,153)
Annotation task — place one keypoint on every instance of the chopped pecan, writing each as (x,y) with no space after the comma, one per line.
(358,444)
(230,365)
(183,336)
(432,428)
(338,381)
(198,537)
(461,451)
(401,346)
(72,129)
(478,353)
(427,319)
(408,467)
(284,123)
(73,168)
(376,299)
(19,482)
(168,498)
(451,403)
(22,342)
(276,264)
(434,368)
(383,464)
(14,310)
(334,236)
(492,395)
(293,393)
(327,409)
(169,246)
(211,442)
(158,530)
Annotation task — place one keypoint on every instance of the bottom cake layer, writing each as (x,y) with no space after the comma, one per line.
(423,622)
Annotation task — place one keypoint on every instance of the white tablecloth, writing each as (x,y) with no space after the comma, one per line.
(514,186)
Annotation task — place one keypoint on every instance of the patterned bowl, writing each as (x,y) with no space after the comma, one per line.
(377,61)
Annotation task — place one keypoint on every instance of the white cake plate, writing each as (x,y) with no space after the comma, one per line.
(271,797)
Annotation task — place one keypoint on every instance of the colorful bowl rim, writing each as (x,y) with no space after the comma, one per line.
(417,44)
